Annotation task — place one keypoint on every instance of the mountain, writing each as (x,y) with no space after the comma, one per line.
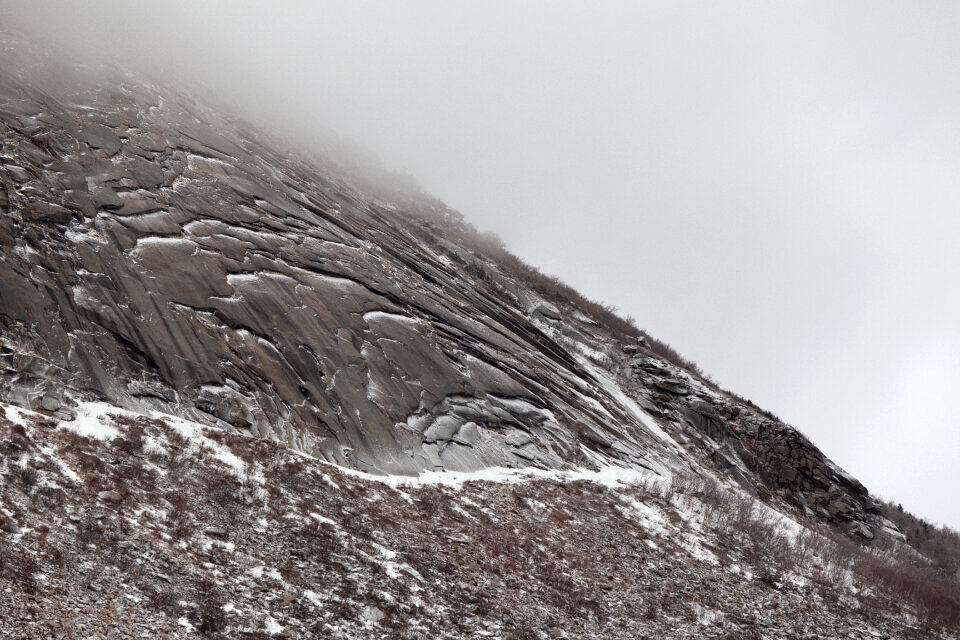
(250,389)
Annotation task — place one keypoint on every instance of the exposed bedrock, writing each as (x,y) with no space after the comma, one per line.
(156,262)
(161,257)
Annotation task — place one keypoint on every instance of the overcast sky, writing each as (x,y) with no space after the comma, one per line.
(773,188)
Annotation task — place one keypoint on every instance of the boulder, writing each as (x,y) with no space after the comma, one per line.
(546,310)
(19,174)
(110,496)
(49,403)
(468,435)
(672,386)
(518,438)
(226,404)
(704,408)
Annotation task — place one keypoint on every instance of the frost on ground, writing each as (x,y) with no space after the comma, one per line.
(126,525)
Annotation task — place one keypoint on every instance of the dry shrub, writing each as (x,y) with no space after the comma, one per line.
(27,476)
(209,617)
(132,441)
(19,567)
(287,472)
(319,539)
(430,500)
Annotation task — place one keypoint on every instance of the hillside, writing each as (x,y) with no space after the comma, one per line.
(221,356)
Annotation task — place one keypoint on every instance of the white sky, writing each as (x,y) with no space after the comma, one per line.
(771,187)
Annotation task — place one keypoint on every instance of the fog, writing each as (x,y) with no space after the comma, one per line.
(772,188)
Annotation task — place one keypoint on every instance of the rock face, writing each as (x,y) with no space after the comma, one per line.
(150,260)
(159,256)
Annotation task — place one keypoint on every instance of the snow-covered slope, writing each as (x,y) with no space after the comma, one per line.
(144,525)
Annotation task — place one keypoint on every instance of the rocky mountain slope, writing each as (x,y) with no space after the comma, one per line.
(121,525)
(160,258)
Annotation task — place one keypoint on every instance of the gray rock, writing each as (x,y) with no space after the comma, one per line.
(147,174)
(19,174)
(225,403)
(442,429)
(49,403)
(142,389)
(545,309)
(468,435)
(110,496)
(704,408)
(672,386)
(518,438)
(41,211)
(372,614)
(863,531)
(255,290)
(528,451)
(582,317)
(99,137)
(106,198)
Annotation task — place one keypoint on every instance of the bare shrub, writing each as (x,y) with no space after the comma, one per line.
(209,617)
(19,567)
(430,500)
(27,476)
(132,441)
(319,539)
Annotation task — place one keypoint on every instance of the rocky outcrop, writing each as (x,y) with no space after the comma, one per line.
(752,446)
(160,263)
(159,256)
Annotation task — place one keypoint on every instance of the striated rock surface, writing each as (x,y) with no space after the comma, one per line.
(160,256)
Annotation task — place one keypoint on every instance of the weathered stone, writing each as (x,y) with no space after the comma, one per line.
(373,614)
(254,291)
(49,403)
(225,403)
(147,174)
(704,408)
(672,386)
(41,211)
(468,435)
(99,137)
(19,174)
(518,438)
(151,390)
(110,496)
(106,198)
(547,310)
